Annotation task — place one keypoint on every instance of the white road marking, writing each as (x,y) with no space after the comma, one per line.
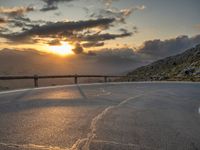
(31,146)
(59,86)
(88,84)
(41,88)
(199,110)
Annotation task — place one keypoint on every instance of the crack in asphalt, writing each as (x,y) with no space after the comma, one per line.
(93,126)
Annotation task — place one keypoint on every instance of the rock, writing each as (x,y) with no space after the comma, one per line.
(188,71)
(185,66)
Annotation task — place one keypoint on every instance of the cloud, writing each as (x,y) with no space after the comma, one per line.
(58,29)
(119,14)
(52,4)
(97,39)
(2,20)
(104,37)
(116,60)
(55,42)
(159,49)
(20,22)
(123,53)
(108,3)
(49,8)
(78,49)
(93,44)
(15,11)
(80,31)
(149,52)
(141,7)
(123,58)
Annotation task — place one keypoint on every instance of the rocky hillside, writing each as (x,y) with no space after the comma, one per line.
(185,66)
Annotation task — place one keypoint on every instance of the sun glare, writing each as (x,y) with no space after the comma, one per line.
(63,50)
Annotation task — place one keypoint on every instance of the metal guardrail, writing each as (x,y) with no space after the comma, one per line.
(37,77)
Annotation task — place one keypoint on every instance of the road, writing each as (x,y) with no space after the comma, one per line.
(126,116)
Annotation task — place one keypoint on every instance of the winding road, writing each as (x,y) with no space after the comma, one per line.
(110,116)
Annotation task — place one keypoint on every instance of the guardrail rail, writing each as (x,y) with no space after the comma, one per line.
(36,78)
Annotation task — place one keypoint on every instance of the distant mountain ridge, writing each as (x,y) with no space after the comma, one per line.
(31,62)
(184,66)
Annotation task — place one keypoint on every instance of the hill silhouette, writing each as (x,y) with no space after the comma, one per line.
(184,66)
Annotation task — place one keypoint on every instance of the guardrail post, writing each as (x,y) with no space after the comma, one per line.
(105,79)
(75,79)
(36,80)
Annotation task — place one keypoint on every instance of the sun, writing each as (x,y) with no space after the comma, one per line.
(63,50)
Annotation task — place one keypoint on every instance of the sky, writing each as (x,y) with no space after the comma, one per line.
(148,29)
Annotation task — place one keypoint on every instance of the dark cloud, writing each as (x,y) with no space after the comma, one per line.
(27,21)
(135,29)
(70,31)
(123,30)
(21,22)
(55,42)
(2,20)
(91,53)
(78,49)
(59,29)
(97,39)
(3,30)
(124,58)
(159,49)
(49,8)
(24,19)
(52,4)
(123,53)
(93,44)
(149,52)
(15,11)
(104,37)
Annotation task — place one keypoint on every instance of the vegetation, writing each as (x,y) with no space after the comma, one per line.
(184,67)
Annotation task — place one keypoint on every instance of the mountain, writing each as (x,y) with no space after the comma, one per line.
(184,66)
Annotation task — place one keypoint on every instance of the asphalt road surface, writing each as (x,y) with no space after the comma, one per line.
(127,116)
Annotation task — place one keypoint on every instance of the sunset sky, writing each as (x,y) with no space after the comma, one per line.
(86,26)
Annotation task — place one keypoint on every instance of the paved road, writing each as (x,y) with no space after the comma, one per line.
(136,116)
